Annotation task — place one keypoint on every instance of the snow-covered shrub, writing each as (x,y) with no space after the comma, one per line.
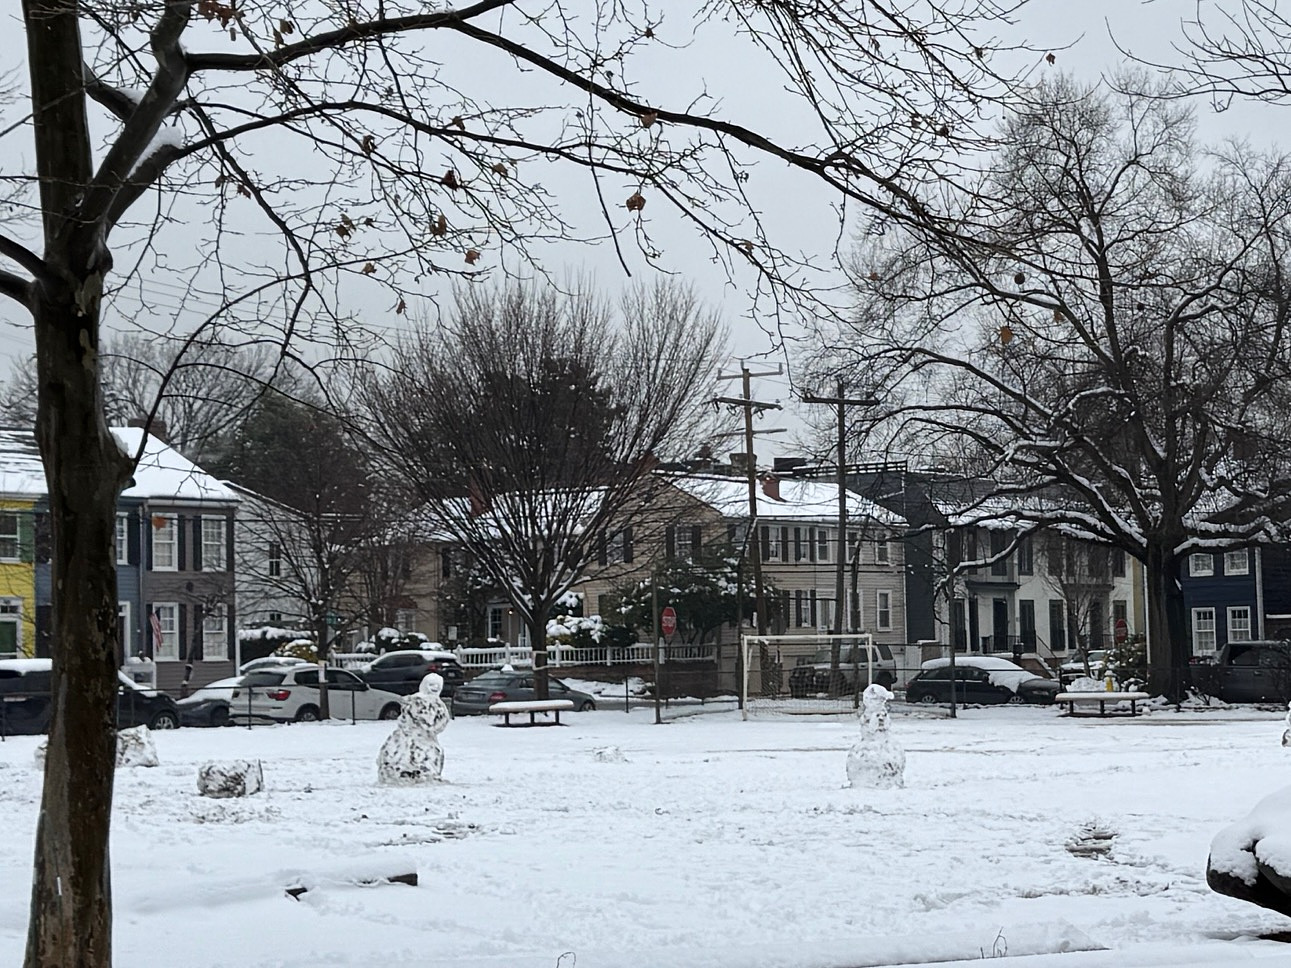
(576,631)
(390,640)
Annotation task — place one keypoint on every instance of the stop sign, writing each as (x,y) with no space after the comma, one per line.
(668,620)
(1122,630)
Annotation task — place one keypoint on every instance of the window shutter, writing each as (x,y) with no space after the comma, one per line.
(670,542)
(602,551)
(811,549)
(197,542)
(132,538)
(696,539)
(44,538)
(149,645)
(627,545)
(181,561)
(26,536)
(198,639)
(766,543)
(183,632)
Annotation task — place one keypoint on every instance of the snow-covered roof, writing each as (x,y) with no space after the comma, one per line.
(21,472)
(166,474)
(799,500)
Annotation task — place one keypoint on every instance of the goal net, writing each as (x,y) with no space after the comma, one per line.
(811,674)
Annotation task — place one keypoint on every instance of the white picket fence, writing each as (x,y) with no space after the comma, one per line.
(557,655)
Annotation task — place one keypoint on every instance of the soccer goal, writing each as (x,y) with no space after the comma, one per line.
(803,674)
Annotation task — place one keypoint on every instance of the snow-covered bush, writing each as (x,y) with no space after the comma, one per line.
(390,640)
(576,631)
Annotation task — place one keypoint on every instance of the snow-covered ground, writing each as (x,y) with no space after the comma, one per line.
(702,842)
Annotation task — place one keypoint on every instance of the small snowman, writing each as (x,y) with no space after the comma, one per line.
(411,754)
(1286,733)
(876,760)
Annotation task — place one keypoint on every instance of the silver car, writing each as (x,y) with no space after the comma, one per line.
(474,697)
(291,694)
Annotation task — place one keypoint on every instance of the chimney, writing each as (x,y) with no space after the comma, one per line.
(740,461)
(157,428)
(771,487)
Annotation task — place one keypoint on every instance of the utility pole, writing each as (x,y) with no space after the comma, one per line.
(842,403)
(749,406)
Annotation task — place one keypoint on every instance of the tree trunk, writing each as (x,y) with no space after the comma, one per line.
(1169,649)
(538,642)
(71,900)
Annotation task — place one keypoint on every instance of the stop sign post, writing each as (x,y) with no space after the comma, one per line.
(668,621)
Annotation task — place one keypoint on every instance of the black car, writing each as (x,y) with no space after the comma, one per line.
(980,679)
(401,671)
(25,700)
(1252,671)
(510,685)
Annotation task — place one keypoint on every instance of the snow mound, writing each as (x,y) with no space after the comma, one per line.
(1092,839)
(609,754)
(234,778)
(136,748)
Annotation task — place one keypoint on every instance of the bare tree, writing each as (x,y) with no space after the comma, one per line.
(288,159)
(532,424)
(1104,336)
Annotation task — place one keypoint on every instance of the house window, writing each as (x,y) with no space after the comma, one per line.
(771,544)
(854,546)
(10,627)
(165,543)
(1026,557)
(446,564)
(1200,565)
(215,635)
(884,611)
(275,618)
(405,619)
(619,548)
(1203,630)
(495,622)
(813,611)
(165,632)
(999,541)
(1054,554)
(9,537)
(822,544)
(1120,611)
(1118,563)
(1239,624)
(275,559)
(687,539)
(123,539)
(214,550)
(798,552)
(1237,562)
(882,552)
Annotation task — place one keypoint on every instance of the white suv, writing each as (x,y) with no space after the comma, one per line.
(290,694)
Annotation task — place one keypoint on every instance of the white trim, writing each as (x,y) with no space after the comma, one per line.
(1198,648)
(126,629)
(16,537)
(222,560)
(123,538)
(161,653)
(11,611)
(878,610)
(1201,565)
(1243,569)
(222,633)
(1249,627)
(171,526)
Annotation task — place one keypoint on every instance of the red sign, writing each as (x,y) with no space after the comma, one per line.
(1122,630)
(668,620)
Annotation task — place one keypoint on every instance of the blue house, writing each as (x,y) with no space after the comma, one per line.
(1225,598)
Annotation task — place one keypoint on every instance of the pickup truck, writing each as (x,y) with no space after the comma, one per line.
(1255,671)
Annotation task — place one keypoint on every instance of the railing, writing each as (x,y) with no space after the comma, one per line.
(469,657)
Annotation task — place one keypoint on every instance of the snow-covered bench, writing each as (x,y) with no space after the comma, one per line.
(532,707)
(1102,698)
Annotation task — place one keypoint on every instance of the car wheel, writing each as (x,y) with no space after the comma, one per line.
(164,720)
(587,706)
(926,698)
(307,714)
(1015,700)
(391,711)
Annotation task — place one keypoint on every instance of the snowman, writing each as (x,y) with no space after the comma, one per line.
(411,754)
(876,760)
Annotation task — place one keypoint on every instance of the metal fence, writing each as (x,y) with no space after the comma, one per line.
(469,657)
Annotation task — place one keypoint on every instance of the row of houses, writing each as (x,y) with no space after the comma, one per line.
(198,558)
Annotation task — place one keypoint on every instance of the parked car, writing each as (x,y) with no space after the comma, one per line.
(980,679)
(1074,668)
(402,671)
(25,700)
(1255,671)
(811,676)
(290,694)
(502,685)
(209,705)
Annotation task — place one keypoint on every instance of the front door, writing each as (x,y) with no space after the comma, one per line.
(1000,625)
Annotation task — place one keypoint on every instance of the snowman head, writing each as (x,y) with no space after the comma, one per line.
(431,685)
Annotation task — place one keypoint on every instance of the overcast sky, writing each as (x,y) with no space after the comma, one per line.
(800,213)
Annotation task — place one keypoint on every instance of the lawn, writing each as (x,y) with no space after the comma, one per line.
(705,841)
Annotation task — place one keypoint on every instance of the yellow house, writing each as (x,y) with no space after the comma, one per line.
(22,487)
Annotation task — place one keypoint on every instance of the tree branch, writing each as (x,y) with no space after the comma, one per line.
(15,287)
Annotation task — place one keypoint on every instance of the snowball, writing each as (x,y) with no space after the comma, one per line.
(136,748)
(609,754)
(232,778)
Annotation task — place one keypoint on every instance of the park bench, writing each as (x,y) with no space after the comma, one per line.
(532,707)
(1102,698)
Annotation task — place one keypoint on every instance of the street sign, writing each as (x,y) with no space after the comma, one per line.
(668,620)
(1122,630)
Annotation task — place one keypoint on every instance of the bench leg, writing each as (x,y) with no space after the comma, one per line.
(1133,707)
(1102,707)
(557,712)
(532,721)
